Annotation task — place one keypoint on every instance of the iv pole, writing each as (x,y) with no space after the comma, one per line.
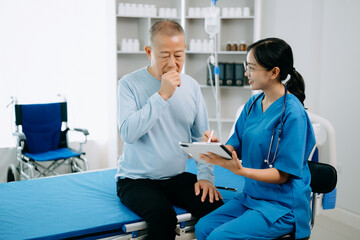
(212,27)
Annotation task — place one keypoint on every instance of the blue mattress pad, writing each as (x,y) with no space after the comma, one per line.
(76,205)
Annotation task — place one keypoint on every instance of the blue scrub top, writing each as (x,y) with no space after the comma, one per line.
(251,140)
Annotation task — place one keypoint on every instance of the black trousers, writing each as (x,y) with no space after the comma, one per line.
(153,200)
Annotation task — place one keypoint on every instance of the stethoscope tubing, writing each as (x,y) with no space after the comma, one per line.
(270,164)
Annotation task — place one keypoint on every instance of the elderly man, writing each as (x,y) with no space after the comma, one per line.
(159,107)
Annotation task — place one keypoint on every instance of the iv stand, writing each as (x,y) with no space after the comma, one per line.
(212,27)
(217,88)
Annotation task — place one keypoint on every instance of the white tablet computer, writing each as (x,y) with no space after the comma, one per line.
(195,148)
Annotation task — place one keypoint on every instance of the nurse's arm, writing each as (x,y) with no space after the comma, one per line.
(270,175)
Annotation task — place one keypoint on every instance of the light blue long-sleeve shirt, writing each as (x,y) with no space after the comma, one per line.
(152,128)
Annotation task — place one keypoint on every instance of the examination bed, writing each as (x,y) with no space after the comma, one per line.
(81,205)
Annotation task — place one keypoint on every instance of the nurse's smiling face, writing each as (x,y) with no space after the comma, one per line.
(259,77)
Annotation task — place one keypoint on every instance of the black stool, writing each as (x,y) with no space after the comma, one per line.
(323,180)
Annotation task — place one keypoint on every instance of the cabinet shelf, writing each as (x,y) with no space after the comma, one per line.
(223,120)
(226,87)
(145,17)
(245,18)
(136,52)
(220,52)
(202,18)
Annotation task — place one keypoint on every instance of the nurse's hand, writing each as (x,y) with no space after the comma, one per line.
(207,188)
(205,137)
(234,165)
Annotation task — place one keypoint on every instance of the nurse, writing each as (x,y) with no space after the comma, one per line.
(276,197)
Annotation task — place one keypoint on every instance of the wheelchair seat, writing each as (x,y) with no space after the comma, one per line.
(42,144)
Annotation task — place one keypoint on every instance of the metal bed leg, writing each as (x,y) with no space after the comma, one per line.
(181,229)
(30,169)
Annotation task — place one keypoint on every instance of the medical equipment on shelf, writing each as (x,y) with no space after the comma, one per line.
(212,27)
(281,122)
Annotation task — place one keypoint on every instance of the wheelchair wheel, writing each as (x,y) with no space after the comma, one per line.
(13,174)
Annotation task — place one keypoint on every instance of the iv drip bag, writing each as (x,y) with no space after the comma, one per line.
(212,21)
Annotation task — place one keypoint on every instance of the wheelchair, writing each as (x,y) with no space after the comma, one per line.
(41,132)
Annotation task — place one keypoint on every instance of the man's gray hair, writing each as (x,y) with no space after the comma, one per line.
(166,27)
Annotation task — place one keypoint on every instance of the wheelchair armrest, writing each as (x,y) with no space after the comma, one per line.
(84,131)
(20,136)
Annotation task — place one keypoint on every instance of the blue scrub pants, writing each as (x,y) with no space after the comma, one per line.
(235,221)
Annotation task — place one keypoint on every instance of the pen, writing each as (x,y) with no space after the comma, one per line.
(227,188)
(211,134)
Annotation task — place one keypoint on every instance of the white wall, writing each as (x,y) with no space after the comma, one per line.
(49,47)
(325,36)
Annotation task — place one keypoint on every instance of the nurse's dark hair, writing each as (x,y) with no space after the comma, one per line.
(275,52)
(166,27)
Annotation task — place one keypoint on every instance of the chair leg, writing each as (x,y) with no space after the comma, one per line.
(85,163)
(50,170)
(77,166)
(29,167)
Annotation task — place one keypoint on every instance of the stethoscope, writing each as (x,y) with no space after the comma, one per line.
(267,161)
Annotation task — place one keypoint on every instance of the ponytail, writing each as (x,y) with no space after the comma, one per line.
(296,85)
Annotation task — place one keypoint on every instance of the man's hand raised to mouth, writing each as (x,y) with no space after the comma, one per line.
(169,82)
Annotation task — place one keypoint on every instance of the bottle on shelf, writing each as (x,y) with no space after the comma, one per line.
(246,12)
(191,12)
(228,46)
(152,10)
(123,45)
(238,12)
(232,12)
(225,12)
(130,45)
(136,45)
(121,9)
(162,12)
(234,46)
(205,45)
(141,12)
(173,13)
(242,46)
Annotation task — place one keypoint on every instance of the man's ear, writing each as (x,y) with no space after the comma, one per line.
(148,52)
(275,72)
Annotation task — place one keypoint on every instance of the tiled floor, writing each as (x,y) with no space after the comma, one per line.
(327,228)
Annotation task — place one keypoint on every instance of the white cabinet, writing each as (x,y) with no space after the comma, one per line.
(233,28)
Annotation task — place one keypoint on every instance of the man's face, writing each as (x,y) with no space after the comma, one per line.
(166,53)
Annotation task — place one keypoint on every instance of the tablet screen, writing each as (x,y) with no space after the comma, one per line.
(194,149)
